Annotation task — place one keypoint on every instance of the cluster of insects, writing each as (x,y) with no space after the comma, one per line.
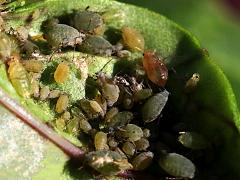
(120,121)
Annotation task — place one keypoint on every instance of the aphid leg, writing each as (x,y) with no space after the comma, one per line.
(87,8)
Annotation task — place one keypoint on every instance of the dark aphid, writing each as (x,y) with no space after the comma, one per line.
(62,35)
(96,45)
(44,92)
(119,120)
(193,140)
(54,94)
(91,108)
(33,65)
(146,133)
(133,39)
(107,162)
(100,141)
(85,125)
(62,103)
(192,83)
(130,132)
(177,165)
(19,77)
(88,22)
(142,161)
(61,73)
(142,94)
(142,144)
(155,68)
(154,106)
(31,49)
(129,148)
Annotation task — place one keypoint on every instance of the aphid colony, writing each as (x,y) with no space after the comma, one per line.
(118,119)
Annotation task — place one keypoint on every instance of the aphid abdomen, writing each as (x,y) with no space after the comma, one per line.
(19,78)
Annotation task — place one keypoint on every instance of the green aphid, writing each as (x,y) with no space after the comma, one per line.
(73,126)
(142,161)
(107,163)
(129,148)
(100,141)
(88,22)
(91,108)
(142,144)
(154,106)
(177,165)
(193,140)
(84,125)
(96,45)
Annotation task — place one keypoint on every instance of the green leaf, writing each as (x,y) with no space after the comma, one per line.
(211,109)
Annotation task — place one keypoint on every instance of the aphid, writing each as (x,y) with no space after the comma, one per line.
(129,148)
(192,83)
(192,140)
(54,94)
(142,161)
(112,143)
(88,22)
(130,132)
(31,49)
(66,115)
(177,165)
(133,39)
(35,87)
(142,144)
(142,94)
(85,125)
(33,65)
(19,78)
(120,119)
(110,114)
(154,106)
(62,35)
(108,163)
(102,102)
(100,141)
(44,92)
(110,91)
(73,126)
(96,45)
(8,47)
(60,124)
(155,68)
(62,103)
(91,108)
(146,133)
(127,101)
(61,73)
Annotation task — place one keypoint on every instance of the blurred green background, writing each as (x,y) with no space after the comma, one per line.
(214,23)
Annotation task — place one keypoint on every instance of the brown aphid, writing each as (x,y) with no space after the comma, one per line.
(192,83)
(33,65)
(100,141)
(62,103)
(44,92)
(66,115)
(85,125)
(61,73)
(155,68)
(91,108)
(133,39)
(19,77)
(110,114)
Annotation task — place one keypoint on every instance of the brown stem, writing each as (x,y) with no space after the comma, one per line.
(67,147)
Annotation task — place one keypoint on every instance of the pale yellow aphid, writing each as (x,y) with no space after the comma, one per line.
(100,141)
(62,103)
(191,84)
(19,77)
(133,39)
(61,73)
